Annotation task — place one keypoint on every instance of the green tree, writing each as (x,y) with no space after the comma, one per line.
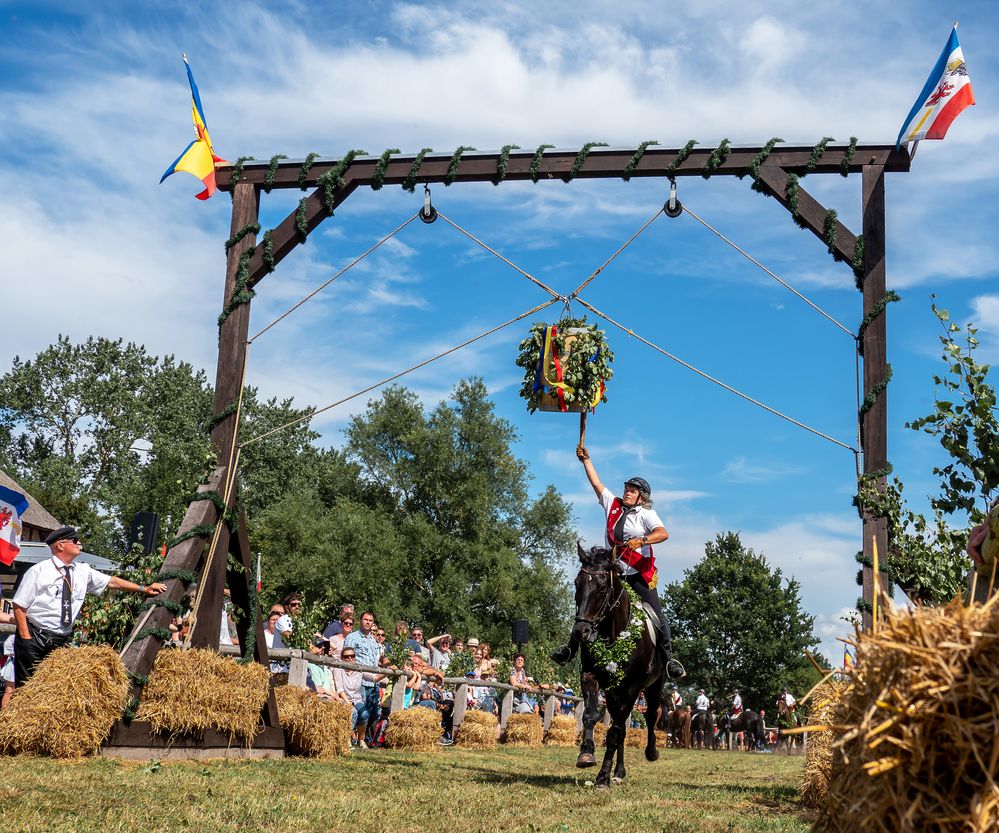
(738,624)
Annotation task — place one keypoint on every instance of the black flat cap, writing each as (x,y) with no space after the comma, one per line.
(61,534)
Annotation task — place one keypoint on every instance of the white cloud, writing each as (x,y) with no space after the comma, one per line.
(740,470)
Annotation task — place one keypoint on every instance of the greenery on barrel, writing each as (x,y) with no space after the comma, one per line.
(584,369)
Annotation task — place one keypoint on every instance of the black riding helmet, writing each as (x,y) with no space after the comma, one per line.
(640,483)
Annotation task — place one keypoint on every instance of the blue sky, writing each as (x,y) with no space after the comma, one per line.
(96,105)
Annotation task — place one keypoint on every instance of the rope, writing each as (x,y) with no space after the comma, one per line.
(779,280)
(492,251)
(718,382)
(607,263)
(395,376)
(350,265)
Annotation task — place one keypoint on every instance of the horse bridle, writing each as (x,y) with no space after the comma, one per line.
(608,606)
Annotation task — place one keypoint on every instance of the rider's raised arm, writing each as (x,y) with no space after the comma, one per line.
(591,472)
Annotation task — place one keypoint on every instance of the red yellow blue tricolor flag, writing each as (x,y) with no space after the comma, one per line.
(946,93)
(198,158)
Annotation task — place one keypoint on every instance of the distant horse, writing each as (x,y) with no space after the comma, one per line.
(787,718)
(748,722)
(603,611)
(702,729)
(678,726)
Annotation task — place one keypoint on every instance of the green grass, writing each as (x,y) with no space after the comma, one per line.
(378,791)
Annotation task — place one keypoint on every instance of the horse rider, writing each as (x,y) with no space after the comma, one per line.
(702,703)
(676,699)
(632,527)
(788,700)
(736,703)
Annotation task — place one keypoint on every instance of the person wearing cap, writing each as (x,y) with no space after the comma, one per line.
(676,699)
(702,704)
(736,703)
(632,527)
(50,597)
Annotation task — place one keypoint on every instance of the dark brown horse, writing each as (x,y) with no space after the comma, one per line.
(603,611)
(748,722)
(702,729)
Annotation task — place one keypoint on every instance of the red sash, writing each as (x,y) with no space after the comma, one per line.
(644,565)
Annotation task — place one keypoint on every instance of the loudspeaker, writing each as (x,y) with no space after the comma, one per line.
(144,531)
(520,634)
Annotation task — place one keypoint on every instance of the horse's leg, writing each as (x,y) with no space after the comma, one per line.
(653,698)
(621,714)
(590,691)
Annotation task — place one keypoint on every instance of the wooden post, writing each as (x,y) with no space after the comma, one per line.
(874,427)
(399,680)
(506,709)
(299,670)
(551,703)
(460,704)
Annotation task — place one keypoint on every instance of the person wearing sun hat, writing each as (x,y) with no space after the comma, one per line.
(50,597)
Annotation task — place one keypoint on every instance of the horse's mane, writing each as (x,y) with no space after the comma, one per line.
(595,556)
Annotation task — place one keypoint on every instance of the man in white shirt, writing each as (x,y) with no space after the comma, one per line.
(736,703)
(702,704)
(50,597)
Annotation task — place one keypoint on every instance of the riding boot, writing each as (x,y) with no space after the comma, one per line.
(562,655)
(674,670)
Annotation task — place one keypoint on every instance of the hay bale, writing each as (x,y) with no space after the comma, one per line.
(636,738)
(47,716)
(417,729)
(477,730)
(918,736)
(191,691)
(821,756)
(562,731)
(315,728)
(524,730)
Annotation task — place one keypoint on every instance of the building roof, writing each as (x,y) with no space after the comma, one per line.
(36,514)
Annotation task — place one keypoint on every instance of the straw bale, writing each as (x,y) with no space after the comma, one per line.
(315,728)
(524,730)
(562,731)
(918,726)
(417,729)
(191,691)
(822,756)
(477,730)
(636,737)
(69,705)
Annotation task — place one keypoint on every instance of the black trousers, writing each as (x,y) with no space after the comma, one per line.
(28,653)
(651,597)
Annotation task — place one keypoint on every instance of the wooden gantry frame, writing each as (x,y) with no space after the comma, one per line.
(246,184)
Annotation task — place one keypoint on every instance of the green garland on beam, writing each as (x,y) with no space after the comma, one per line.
(681,155)
(248,229)
(201,531)
(272,167)
(844,167)
(157,601)
(268,253)
(138,679)
(186,576)
(409,183)
(791,193)
(226,412)
(211,495)
(830,230)
(129,711)
(452,169)
(302,220)
(754,166)
(502,162)
(332,181)
(817,153)
(857,264)
(864,606)
(718,155)
(536,162)
(378,178)
(159,633)
(237,170)
(629,169)
(577,165)
(875,392)
(251,625)
(303,172)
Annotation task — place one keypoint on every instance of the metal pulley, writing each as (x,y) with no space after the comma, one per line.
(428,213)
(673,207)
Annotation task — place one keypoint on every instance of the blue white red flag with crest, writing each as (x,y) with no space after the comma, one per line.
(12,506)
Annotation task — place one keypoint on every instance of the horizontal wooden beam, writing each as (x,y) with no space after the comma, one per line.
(810,211)
(602,163)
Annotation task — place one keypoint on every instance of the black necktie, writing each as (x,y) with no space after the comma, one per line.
(67,599)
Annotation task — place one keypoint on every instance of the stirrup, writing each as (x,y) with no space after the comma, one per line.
(674,670)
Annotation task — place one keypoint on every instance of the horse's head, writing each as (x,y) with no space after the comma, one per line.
(598,586)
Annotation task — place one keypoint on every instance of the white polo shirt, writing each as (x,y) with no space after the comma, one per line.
(40,592)
(639,522)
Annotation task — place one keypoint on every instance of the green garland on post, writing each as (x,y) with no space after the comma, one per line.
(629,169)
(378,178)
(717,156)
(241,292)
(502,162)
(248,229)
(237,170)
(272,167)
(875,392)
(890,297)
(536,162)
(175,608)
(681,155)
(251,625)
(226,412)
(452,169)
(613,657)
(186,576)
(409,183)
(817,153)
(211,495)
(303,172)
(202,531)
(159,633)
(577,165)
(844,167)
(857,264)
